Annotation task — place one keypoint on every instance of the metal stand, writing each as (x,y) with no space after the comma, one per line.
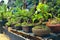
(1,27)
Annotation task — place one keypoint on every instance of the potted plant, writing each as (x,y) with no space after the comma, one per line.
(18,26)
(2,19)
(8,24)
(54,25)
(27,27)
(40,30)
(3,10)
(11,21)
(41,15)
(24,19)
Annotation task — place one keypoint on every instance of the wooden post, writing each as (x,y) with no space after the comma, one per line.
(34,2)
(9,29)
(42,1)
(24,6)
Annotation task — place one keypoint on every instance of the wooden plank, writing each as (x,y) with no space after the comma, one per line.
(26,35)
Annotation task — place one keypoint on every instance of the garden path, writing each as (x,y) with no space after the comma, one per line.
(4,37)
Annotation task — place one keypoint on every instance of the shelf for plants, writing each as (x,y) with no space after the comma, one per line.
(29,36)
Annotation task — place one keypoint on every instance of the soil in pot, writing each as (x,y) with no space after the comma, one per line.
(54,26)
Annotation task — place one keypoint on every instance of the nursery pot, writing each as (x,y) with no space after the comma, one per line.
(54,28)
(1,27)
(18,27)
(40,32)
(4,21)
(27,29)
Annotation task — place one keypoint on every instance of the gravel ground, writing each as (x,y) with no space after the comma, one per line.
(4,37)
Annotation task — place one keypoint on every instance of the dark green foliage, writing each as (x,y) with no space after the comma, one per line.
(54,7)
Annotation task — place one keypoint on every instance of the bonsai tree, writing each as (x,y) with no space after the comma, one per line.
(2,19)
(8,24)
(42,13)
(44,10)
(12,19)
(18,24)
(2,11)
(26,17)
(54,6)
(24,24)
(53,23)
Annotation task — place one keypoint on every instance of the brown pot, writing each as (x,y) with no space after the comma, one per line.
(27,29)
(54,27)
(40,32)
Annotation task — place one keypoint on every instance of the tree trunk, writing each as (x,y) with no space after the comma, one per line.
(24,6)
(42,1)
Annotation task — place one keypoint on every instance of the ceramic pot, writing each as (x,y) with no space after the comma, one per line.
(40,32)
(54,27)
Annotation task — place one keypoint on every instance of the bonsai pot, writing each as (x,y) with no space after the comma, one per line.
(1,27)
(27,29)
(4,21)
(40,32)
(55,28)
(18,27)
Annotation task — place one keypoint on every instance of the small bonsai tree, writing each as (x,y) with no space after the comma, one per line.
(42,13)
(8,24)
(17,25)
